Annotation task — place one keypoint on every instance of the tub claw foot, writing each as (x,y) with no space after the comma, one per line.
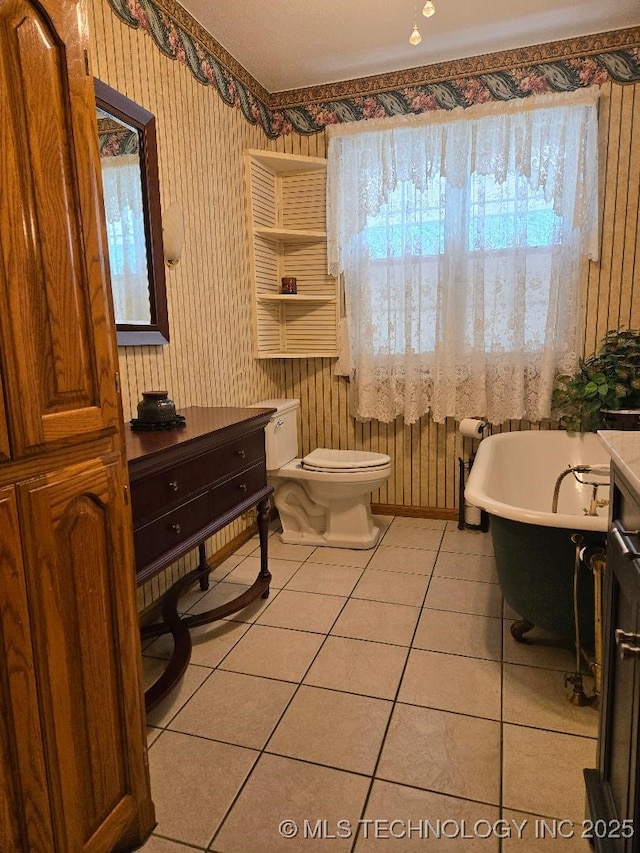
(520,628)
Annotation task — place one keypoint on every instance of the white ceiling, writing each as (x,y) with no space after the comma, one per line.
(287,44)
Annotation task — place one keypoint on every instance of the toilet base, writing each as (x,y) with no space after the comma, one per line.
(326,510)
(328,540)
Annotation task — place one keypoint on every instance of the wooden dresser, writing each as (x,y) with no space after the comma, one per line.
(186,484)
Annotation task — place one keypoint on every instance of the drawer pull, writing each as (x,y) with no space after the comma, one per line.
(623,540)
(624,642)
(243,487)
(173,485)
(241,453)
(177,528)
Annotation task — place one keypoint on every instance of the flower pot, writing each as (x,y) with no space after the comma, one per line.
(156,408)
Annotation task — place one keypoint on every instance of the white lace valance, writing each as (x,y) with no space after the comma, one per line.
(461,238)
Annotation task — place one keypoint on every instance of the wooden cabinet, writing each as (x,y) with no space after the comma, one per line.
(48,219)
(73,763)
(286,204)
(189,482)
(25,821)
(4,432)
(186,484)
(614,787)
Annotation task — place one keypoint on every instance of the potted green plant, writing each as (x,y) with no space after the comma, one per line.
(604,393)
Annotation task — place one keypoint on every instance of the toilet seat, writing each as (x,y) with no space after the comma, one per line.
(342,461)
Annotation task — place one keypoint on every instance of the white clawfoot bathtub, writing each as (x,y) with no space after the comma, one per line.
(514,478)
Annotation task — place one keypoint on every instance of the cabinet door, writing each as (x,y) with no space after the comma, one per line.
(5,452)
(87,656)
(24,808)
(55,322)
(618,740)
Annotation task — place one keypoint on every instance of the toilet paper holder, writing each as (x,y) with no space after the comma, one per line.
(473,428)
(471,517)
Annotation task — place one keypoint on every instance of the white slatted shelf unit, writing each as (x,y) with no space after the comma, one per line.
(286,210)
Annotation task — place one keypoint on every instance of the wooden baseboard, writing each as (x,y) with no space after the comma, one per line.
(415,511)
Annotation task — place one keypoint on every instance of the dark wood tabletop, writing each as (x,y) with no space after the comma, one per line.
(199,421)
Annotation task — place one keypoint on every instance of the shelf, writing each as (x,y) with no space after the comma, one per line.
(290,235)
(310,354)
(286,219)
(287,163)
(292,297)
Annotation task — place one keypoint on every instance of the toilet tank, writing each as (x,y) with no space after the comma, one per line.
(281,433)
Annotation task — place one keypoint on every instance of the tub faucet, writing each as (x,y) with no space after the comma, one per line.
(594,504)
(576,470)
(556,488)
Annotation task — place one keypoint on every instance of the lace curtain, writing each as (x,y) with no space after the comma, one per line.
(126,238)
(460,238)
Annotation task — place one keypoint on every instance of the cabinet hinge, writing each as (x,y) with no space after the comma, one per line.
(87,64)
(126,496)
(117,378)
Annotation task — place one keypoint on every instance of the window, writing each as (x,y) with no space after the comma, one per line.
(502,217)
(460,241)
(126,239)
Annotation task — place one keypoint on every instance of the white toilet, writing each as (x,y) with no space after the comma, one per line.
(325,498)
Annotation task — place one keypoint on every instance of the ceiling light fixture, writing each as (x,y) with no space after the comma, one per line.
(428,9)
(415,37)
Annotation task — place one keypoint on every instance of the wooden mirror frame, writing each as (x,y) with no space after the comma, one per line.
(157,332)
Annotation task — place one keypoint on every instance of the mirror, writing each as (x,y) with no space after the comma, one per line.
(129,160)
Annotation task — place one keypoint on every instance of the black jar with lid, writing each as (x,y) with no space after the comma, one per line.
(156,408)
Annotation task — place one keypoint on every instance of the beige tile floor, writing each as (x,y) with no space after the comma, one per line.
(376,701)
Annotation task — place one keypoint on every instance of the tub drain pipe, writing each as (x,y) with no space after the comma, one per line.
(595,557)
(577,696)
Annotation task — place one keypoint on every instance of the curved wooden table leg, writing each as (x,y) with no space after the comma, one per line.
(173,624)
(178,626)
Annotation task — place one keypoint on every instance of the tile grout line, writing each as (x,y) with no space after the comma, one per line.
(264,750)
(394,703)
(300,683)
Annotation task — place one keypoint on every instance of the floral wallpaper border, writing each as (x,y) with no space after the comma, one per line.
(114,140)
(556,67)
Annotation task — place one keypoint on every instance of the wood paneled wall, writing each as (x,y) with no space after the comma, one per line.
(209,362)
(612,286)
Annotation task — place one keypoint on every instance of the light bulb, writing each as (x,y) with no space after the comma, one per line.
(415,37)
(428,9)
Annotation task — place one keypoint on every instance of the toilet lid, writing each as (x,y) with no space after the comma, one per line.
(325,459)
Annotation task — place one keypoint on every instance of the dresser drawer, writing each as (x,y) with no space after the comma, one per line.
(239,454)
(229,494)
(169,488)
(159,492)
(172,528)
